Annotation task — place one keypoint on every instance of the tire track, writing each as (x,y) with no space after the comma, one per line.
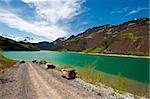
(43,90)
(61,88)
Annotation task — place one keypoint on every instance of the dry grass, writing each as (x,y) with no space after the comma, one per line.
(5,62)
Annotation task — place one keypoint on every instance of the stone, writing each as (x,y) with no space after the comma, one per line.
(68,73)
(22,61)
(49,66)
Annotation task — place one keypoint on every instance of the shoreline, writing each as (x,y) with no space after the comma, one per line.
(117,55)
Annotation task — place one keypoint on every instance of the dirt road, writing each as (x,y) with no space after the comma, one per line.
(31,81)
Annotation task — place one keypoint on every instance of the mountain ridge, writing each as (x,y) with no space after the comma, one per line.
(130,37)
(7,44)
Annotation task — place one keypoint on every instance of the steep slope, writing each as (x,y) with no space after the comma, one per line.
(11,45)
(131,37)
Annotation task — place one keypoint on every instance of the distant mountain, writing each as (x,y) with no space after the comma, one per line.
(47,45)
(43,45)
(29,40)
(20,39)
(11,45)
(131,37)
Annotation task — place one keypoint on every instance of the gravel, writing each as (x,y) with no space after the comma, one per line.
(32,81)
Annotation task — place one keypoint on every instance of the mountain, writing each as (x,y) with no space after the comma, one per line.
(28,39)
(20,39)
(43,45)
(48,46)
(131,37)
(11,45)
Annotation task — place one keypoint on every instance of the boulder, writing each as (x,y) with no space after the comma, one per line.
(33,61)
(49,66)
(22,61)
(68,73)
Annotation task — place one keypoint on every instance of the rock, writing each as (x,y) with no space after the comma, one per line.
(68,73)
(100,94)
(33,61)
(22,61)
(49,66)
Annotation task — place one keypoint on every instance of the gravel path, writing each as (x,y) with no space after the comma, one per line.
(32,81)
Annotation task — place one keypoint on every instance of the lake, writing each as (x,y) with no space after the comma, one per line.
(131,68)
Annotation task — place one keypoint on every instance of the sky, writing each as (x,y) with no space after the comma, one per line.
(47,20)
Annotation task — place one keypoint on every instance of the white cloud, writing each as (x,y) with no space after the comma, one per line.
(13,21)
(120,11)
(128,11)
(49,17)
(55,11)
(137,10)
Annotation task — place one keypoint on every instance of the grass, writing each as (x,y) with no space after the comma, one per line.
(93,50)
(28,46)
(5,62)
(139,53)
(89,75)
(133,37)
(119,83)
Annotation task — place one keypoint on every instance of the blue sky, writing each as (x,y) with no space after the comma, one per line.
(46,20)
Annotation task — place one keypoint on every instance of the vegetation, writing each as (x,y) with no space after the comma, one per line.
(119,82)
(89,75)
(133,37)
(93,50)
(117,39)
(5,62)
(139,53)
(29,46)
(8,44)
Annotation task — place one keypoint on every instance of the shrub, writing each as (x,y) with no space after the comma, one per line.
(88,50)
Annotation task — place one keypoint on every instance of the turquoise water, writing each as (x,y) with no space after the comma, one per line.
(132,68)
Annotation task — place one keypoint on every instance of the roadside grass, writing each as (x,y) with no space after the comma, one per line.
(119,83)
(5,62)
(89,75)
